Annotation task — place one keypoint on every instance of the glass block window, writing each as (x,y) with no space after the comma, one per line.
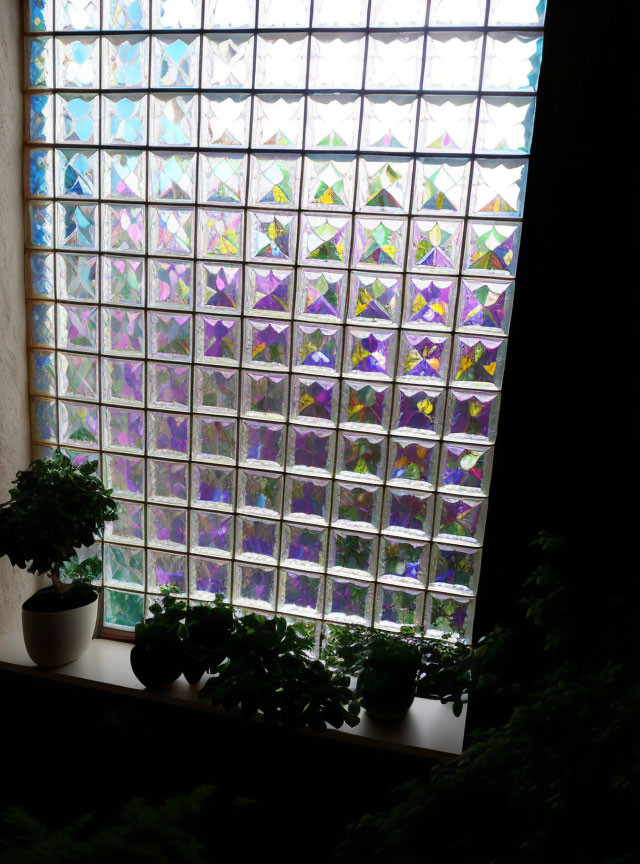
(271,252)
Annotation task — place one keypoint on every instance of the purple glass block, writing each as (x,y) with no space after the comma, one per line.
(166,570)
(257,585)
(124,428)
(125,475)
(472,414)
(318,347)
(429,301)
(171,282)
(213,486)
(124,331)
(463,467)
(455,567)
(371,352)
(365,403)
(220,339)
(484,305)
(417,409)
(308,498)
(348,599)
(269,343)
(123,380)
(312,448)
(219,287)
(305,544)
(170,385)
(263,442)
(402,559)
(301,590)
(478,360)
(258,537)
(167,525)
(212,531)
(425,357)
(271,291)
(315,399)
(461,517)
(170,433)
(413,461)
(398,607)
(407,511)
(209,577)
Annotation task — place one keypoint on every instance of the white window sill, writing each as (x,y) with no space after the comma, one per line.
(430,729)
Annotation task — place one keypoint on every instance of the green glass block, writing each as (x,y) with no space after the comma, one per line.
(122,609)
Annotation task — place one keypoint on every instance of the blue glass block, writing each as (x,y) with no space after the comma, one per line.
(126,14)
(40,179)
(40,15)
(77,173)
(122,609)
(44,420)
(40,117)
(40,61)
(43,328)
(40,224)
(43,373)
(77,118)
(77,226)
(41,271)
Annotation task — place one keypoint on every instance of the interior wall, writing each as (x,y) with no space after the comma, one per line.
(15,586)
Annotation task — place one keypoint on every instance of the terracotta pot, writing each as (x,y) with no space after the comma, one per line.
(56,638)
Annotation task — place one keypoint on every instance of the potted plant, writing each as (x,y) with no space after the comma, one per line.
(54,508)
(206,630)
(156,657)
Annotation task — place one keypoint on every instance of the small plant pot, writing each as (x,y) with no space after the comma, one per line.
(386,698)
(58,637)
(193,668)
(156,666)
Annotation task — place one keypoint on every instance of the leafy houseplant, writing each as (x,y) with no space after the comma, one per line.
(156,657)
(54,508)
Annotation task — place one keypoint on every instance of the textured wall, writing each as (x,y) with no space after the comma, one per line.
(14,414)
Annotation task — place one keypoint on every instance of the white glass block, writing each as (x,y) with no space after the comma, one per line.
(336,13)
(447,124)
(124,118)
(224,120)
(175,61)
(125,14)
(78,15)
(394,61)
(512,62)
(384,185)
(177,14)
(277,121)
(76,173)
(77,61)
(227,61)
(440,186)
(498,187)
(388,13)
(124,174)
(172,176)
(282,13)
(174,120)
(281,61)
(453,61)
(509,13)
(222,178)
(333,121)
(77,118)
(123,281)
(223,14)
(77,225)
(125,62)
(220,233)
(505,124)
(336,61)
(123,228)
(388,123)
(275,180)
(462,13)
(325,239)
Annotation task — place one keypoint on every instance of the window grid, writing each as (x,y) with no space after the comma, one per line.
(419,333)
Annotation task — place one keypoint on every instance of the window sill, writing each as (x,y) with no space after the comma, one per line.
(430,729)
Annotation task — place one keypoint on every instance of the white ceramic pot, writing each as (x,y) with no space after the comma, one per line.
(56,638)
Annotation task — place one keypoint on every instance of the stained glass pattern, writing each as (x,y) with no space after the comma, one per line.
(271,259)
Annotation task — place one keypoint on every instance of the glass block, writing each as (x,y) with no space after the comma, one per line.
(40,274)
(277,121)
(77,118)
(379,242)
(174,120)
(370,353)
(492,248)
(220,233)
(454,568)
(39,173)
(78,15)
(329,183)
(76,226)
(223,14)
(278,13)
(304,546)
(435,244)
(448,616)
(311,450)
(361,457)
(384,185)
(423,356)
(168,435)
(281,59)
(269,292)
(44,420)
(170,284)
(498,187)
(485,306)
(175,61)
(396,608)
(207,578)
(124,118)
(374,299)
(460,520)
(125,62)
(78,327)
(222,178)
(441,186)
(333,121)
(39,117)
(348,601)
(356,506)
(172,176)
(265,395)
(217,340)
(275,180)
(272,237)
(79,424)
(257,539)
(224,120)
(388,123)
(394,61)
(43,373)
(403,561)
(123,429)
(123,228)
(509,13)
(216,390)
(465,470)
(453,61)
(300,593)
(386,13)
(126,15)
(408,513)
(77,61)
(40,224)
(77,276)
(512,62)
(472,416)
(336,61)
(167,527)
(227,60)
(335,13)
(365,406)
(123,566)
(170,336)
(260,493)
(325,240)
(124,474)
(266,344)
(413,462)
(39,62)
(307,499)
(78,376)
(463,13)
(505,124)
(320,295)
(122,609)
(315,401)
(255,586)
(177,14)
(214,439)
(418,409)
(213,487)
(165,570)
(124,174)
(42,330)
(169,386)
(39,15)
(478,361)
(317,348)
(429,302)
(123,332)
(262,444)
(353,554)
(447,124)
(171,230)
(219,288)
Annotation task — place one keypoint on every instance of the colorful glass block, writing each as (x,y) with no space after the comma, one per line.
(311,450)
(170,335)
(317,348)
(122,381)
(167,527)
(220,233)
(472,416)
(214,439)
(77,118)
(212,487)
(356,506)
(300,593)
(272,238)
(123,228)
(257,538)
(77,276)
(307,499)
(122,609)
(315,401)
(348,601)
(361,457)
(39,117)
(498,188)
(40,274)
(396,608)
(174,120)
(492,248)
(478,361)
(328,183)
(429,302)
(76,226)
(126,15)
(304,546)
(448,616)
(403,561)
(460,520)
(219,287)
(78,327)
(129,526)
(320,295)
(123,332)
(353,554)
(39,165)
(123,566)
(370,352)
(413,463)
(260,493)
(424,356)
(124,118)
(42,325)
(275,180)
(378,243)
(171,230)
(43,373)
(375,299)
(165,570)
(267,344)
(255,586)
(44,420)
(40,224)
(125,62)
(77,61)
(170,283)
(211,533)
(175,61)
(222,178)
(217,340)
(435,244)
(269,291)
(124,474)
(465,470)
(441,186)
(40,15)
(216,390)
(39,62)
(384,185)
(265,395)
(408,512)
(169,386)
(123,429)
(447,123)
(366,405)
(325,240)
(78,376)
(208,578)
(262,443)
(168,435)
(418,409)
